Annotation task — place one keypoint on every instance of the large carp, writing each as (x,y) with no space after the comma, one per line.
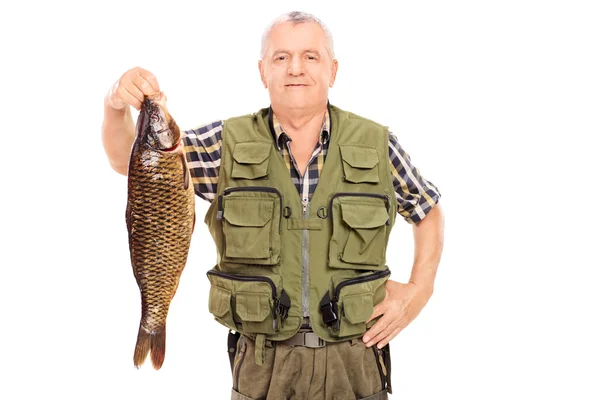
(160,219)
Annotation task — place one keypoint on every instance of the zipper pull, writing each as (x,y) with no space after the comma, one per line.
(284,305)
(275,314)
(387,207)
(220,208)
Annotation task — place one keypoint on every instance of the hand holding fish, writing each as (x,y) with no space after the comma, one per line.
(131,88)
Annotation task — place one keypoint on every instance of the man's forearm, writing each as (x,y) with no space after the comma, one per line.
(118,134)
(429,242)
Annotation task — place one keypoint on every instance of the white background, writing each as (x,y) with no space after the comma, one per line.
(496,102)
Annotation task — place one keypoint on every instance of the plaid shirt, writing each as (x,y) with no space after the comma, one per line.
(202,145)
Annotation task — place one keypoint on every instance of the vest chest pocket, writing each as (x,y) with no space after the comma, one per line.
(251,225)
(359,233)
(359,163)
(251,160)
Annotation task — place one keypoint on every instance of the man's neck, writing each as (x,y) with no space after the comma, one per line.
(299,120)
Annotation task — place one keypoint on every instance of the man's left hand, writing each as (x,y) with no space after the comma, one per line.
(401,305)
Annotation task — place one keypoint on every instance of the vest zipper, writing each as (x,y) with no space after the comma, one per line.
(267,189)
(305,266)
(360,279)
(384,197)
(281,305)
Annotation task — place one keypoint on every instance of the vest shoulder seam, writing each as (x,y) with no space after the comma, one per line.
(354,116)
(367,120)
(239,117)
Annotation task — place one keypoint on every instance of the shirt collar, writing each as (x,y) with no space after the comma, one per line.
(281,137)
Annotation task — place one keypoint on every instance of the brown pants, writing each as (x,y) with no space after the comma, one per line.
(339,371)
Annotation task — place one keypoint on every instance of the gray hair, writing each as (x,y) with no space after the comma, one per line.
(296,17)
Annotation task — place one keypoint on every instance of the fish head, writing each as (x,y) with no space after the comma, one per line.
(156,126)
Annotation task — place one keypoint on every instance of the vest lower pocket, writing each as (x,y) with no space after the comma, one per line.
(359,234)
(355,311)
(219,304)
(346,312)
(251,224)
(359,163)
(249,304)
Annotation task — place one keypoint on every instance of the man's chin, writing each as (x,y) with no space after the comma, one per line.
(299,104)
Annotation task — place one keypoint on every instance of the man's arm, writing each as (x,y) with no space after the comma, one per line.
(429,243)
(117,136)
(419,204)
(404,301)
(118,129)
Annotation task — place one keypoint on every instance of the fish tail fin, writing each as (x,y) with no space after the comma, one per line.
(157,346)
(142,347)
(153,343)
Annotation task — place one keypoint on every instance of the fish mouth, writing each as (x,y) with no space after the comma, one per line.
(170,149)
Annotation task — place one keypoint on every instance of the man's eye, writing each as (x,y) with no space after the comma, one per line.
(281,58)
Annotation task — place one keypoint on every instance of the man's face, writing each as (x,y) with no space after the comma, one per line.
(296,68)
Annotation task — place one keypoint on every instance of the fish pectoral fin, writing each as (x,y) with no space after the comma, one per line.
(186,173)
(128,216)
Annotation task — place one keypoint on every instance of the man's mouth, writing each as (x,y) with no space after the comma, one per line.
(296,85)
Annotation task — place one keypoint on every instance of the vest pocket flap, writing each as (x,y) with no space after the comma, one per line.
(364,216)
(248,211)
(253,306)
(219,301)
(359,157)
(358,307)
(251,152)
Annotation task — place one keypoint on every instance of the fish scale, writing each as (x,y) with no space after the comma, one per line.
(160,220)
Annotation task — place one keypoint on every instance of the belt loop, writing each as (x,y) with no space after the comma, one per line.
(259,349)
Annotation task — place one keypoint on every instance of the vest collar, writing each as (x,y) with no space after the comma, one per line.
(280,137)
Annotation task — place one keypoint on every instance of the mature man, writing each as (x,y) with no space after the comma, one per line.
(303,198)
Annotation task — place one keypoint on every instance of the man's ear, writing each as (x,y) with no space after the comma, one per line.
(334,69)
(262,73)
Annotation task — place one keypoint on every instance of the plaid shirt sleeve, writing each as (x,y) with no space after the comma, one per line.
(202,147)
(416,196)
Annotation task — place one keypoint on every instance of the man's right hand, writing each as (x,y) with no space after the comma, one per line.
(131,88)
(118,128)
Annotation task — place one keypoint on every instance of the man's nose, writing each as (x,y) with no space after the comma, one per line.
(296,67)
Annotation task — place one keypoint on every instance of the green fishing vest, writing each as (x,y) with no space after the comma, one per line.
(281,258)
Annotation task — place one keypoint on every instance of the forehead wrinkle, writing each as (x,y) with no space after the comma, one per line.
(303,51)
